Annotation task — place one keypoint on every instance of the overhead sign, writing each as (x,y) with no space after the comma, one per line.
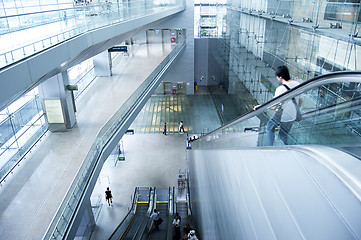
(118,49)
(129,132)
(72,87)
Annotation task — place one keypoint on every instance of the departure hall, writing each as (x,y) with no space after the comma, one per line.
(240,119)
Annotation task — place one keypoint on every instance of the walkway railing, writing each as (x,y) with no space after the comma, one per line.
(72,201)
(23,35)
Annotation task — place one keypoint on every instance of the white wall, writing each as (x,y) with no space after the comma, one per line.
(183,71)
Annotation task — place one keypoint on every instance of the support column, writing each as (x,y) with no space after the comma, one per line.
(103,64)
(58,102)
(86,223)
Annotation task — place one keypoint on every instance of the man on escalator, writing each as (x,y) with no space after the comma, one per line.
(176,224)
(286,112)
(288,108)
(156,219)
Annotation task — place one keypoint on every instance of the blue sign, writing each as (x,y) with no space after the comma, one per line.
(118,49)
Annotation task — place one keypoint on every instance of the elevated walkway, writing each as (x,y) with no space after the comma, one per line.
(51,42)
(32,196)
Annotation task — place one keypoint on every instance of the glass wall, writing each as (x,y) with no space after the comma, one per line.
(209,17)
(21,124)
(310,38)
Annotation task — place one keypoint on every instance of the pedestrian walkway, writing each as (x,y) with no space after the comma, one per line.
(155,164)
(30,198)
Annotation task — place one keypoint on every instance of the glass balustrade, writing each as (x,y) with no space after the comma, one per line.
(25,34)
(21,124)
(331,112)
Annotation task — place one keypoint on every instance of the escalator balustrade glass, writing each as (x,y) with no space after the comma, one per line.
(331,115)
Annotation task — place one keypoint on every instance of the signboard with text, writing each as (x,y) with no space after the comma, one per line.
(118,49)
(54,111)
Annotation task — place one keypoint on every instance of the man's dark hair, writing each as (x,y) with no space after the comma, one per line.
(282,71)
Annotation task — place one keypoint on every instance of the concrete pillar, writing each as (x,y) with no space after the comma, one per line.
(58,102)
(103,64)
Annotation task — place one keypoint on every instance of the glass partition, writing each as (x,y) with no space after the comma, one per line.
(331,115)
(25,34)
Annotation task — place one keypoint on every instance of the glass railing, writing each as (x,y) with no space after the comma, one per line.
(26,34)
(331,115)
(19,131)
(65,214)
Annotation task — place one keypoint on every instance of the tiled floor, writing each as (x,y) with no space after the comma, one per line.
(197,113)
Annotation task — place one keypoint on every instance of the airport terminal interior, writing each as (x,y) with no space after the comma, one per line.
(156,100)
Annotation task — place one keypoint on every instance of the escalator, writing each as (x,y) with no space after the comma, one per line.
(310,189)
(137,215)
(140,214)
(138,225)
(162,205)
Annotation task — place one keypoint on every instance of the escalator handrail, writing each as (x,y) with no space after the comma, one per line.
(172,200)
(126,216)
(142,226)
(335,77)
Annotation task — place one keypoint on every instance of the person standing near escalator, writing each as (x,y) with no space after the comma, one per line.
(286,112)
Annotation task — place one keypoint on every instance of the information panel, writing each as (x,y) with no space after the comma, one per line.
(54,111)
(118,49)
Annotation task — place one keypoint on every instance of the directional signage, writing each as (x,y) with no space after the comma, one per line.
(118,49)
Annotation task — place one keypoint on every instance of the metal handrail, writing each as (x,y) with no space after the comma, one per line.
(335,77)
(10,171)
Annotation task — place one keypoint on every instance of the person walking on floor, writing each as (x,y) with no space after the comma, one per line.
(165,129)
(181,127)
(108,196)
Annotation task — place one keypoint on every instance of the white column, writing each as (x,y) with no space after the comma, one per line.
(58,102)
(103,64)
